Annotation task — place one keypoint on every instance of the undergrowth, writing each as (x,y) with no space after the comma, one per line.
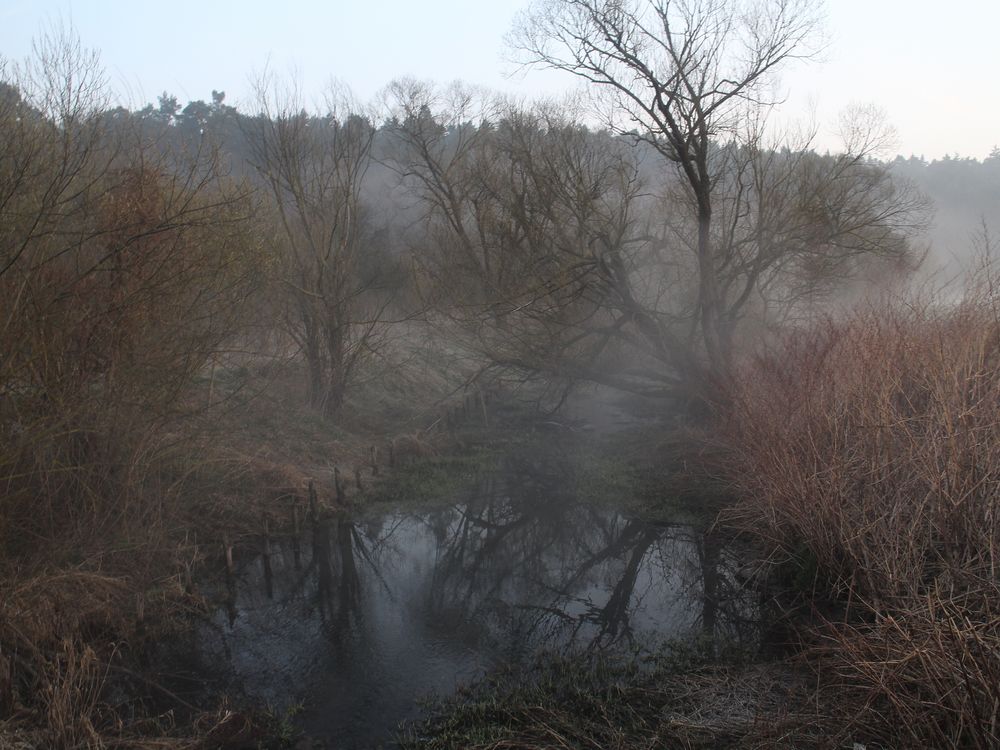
(869,446)
(692,695)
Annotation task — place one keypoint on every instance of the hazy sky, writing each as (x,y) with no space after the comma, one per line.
(933,67)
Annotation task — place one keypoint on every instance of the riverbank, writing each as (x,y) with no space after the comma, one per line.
(244,485)
(86,604)
(862,492)
(88,589)
(680,694)
(486,560)
(863,459)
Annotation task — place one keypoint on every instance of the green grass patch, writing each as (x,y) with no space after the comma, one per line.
(586,700)
(432,480)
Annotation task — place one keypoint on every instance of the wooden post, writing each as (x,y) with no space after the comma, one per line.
(313,504)
(296,531)
(211,384)
(228,546)
(188,579)
(231,600)
(266,560)
(357,479)
(268,577)
(337,486)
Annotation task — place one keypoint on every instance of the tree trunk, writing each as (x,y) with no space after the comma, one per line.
(317,371)
(335,386)
(711,304)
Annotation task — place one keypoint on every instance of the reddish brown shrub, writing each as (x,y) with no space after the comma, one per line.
(868,450)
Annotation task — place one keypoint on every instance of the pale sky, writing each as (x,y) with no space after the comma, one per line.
(933,67)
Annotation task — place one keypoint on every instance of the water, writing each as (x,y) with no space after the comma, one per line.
(365,615)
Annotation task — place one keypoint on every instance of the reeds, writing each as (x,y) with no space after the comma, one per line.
(867,451)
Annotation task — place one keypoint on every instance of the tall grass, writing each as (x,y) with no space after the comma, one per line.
(868,454)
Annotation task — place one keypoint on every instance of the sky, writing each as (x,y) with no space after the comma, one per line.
(933,68)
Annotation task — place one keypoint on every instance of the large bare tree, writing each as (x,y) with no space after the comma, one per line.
(561,250)
(746,225)
(313,166)
(528,215)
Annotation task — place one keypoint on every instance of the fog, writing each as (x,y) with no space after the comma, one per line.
(294,369)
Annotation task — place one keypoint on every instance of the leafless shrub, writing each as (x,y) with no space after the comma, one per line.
(124,267)
(868,450)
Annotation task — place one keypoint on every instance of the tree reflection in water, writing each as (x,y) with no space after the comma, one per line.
(386,607)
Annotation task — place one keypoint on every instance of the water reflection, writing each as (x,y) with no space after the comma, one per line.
(367,613)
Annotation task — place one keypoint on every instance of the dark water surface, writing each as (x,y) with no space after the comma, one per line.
(364,616)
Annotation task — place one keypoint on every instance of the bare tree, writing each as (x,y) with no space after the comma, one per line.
(689,80)
(440,149)
(313,166)
(529,216)
(563,253)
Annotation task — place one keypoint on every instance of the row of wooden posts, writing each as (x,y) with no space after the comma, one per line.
(296,518)
(473,405)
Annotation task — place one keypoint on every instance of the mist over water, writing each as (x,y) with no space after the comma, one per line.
(365,616)
(517,318)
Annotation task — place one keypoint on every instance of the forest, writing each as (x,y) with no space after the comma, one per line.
(228,330)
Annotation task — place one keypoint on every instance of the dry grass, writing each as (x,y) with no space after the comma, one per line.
(676,698)
(102,537)
(868,454)
(64,636)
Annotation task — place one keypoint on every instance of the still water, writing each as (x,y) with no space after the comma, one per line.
(365,615)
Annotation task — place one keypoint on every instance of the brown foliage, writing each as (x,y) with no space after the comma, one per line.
(868,450)
(107,330)
(123,272)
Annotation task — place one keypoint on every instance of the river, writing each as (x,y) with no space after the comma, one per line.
(367,614)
